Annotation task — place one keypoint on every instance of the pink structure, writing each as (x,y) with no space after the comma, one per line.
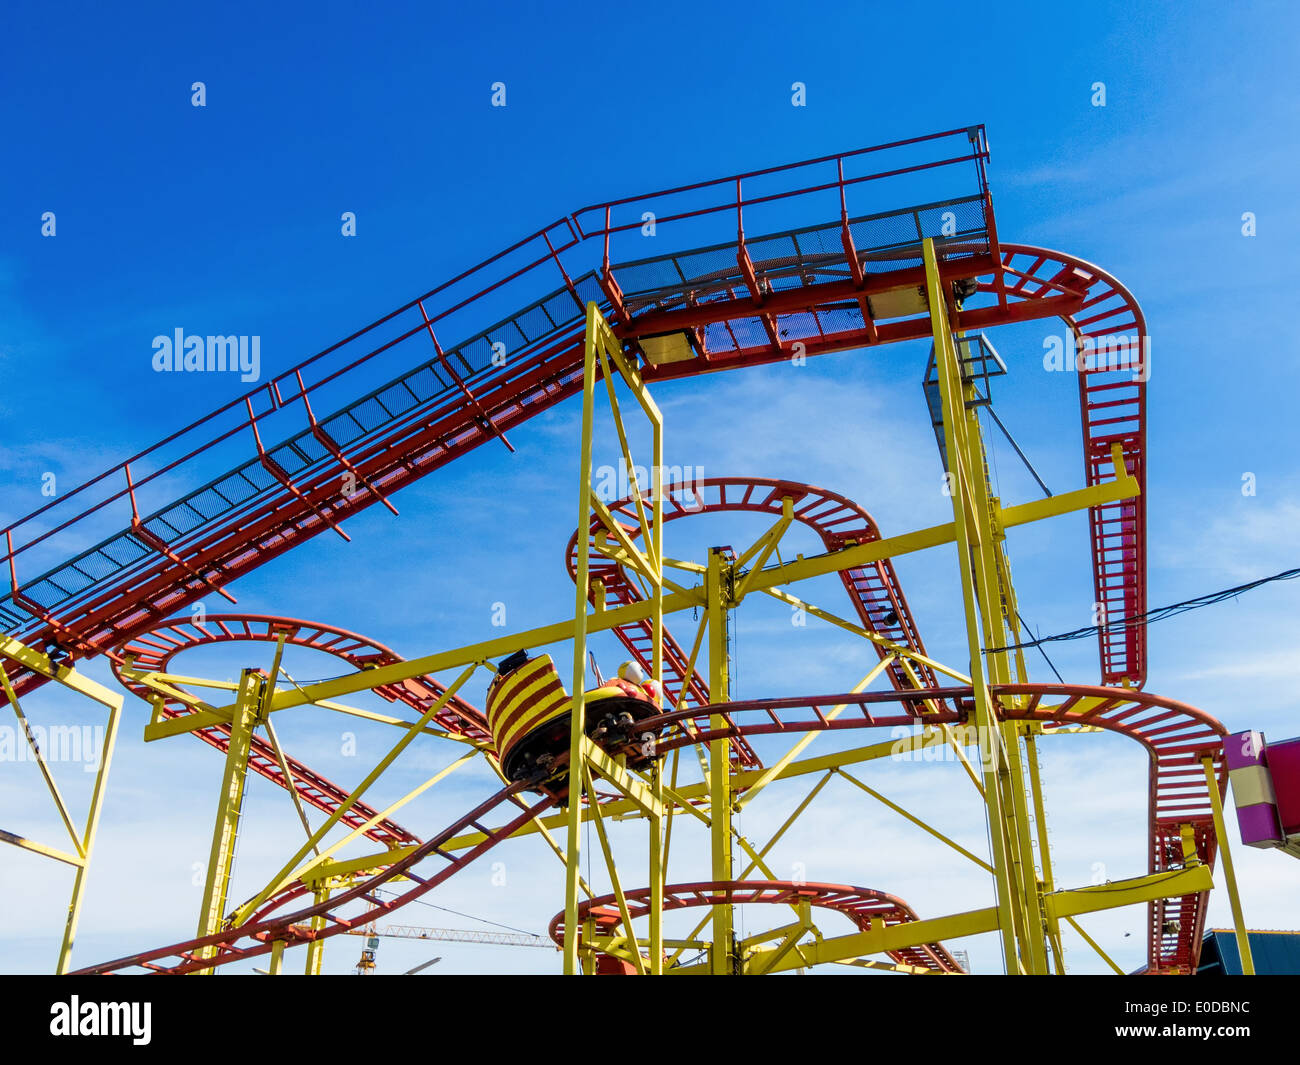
(1265,782)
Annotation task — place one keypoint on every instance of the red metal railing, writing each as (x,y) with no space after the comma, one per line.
(265,399)
(977,154)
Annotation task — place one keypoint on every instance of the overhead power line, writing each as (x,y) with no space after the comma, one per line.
(1159,613)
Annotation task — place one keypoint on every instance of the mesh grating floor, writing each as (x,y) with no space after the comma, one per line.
(206,508)
(815,255)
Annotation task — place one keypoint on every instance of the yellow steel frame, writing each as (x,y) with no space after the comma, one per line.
(83,841)
(882,938)
(973,510)
(1229,874)
(1024,918)
(720,588)
(320,692)
(221,856)
(1029,909)
(322,873)
(603,358)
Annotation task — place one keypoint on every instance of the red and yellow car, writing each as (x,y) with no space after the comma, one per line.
(528,711)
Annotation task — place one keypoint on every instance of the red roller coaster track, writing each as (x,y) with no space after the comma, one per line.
(154,650)
(740,301)
(745,302)
(862,906)
(874,590)
(1175,735)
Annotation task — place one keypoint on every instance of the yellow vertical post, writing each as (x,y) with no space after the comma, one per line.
(1033,943)
(604,355)
(716,580)
(656,929)
(277,958)
(655,938)
(588,953)
(1229,875)
(582,576)
(316,947)
(88,838)
(967,520)
(1044,848)
(1000,619)
(226,831)
(84,843)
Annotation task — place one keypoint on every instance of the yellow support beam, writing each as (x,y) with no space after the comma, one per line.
(741,779)
(91,829)
(1164,885)
(629,933)
(287,871)
(773,771)
(329,870)
(637,790)
(916,821)
(718,585)
(311,871)
(207,715)
(1044,846)
(64,674)
(1125,487)
(44,767)
(1063,904)
(316,947)
(578,632)
(83,842)
(976,594)
(893,648)
(603,354)
(1095,946)
(221,857)
(1229,875)
(43,849)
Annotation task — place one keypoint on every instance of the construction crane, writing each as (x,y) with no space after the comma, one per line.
(367,961)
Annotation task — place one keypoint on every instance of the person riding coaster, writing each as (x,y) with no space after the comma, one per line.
(528,712)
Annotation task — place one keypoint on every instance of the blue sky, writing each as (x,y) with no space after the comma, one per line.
(225,219)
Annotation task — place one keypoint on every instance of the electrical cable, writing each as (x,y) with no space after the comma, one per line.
(1159,613)
(467,916)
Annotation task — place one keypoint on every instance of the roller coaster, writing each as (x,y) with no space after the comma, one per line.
(110,568)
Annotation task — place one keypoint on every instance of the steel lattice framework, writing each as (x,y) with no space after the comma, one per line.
(459,397)
(558,315)
(1177,736)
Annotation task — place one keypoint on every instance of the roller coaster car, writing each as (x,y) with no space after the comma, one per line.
(528,713)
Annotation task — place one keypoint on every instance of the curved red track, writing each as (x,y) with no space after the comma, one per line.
(1175,735)
(154,650)
(874,590)
(752,306)
(1027,283)
(862,906)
